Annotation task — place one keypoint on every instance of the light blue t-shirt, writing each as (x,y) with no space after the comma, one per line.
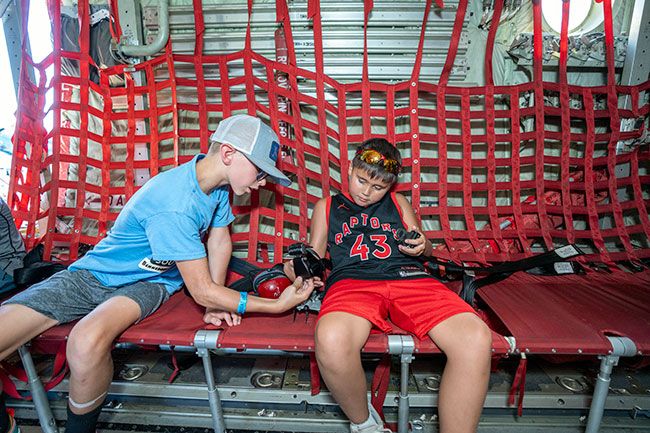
(164,221)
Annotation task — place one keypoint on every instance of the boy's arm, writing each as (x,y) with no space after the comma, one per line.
(318,228)
(219,245)
(219,251)
(421,245)
(210,294)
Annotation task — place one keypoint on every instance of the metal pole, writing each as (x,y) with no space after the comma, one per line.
(403,408)
(621,346)
(203,341)
(42,406)
(402,345)
(213,393)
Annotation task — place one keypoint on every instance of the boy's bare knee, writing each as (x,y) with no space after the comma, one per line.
(86,345)
(475,344)
(333,346)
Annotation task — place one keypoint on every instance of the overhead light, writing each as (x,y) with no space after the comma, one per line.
(584,15)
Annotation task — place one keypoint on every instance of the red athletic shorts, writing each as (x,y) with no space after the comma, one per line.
(415,305)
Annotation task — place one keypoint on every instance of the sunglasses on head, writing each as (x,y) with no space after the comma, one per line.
(373,157)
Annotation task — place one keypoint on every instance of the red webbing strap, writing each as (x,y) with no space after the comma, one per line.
(615,131)
(490,124)
(102,221)
(442,130)
(177,369)
(199,31)
(590,195)
(414,115)
(489,45)
(494,226)
(254,212)
(55,15)
(344,161)
(278,79)
(314,374)
(115,28)
(174,99)
(296,115)
(365,81)
(638,194)
(314,14)
(7,371)
(566,126)
(154,137)
(129,174)
(466,128)
(84,102)
(29,130)
(519,385)
(379,388)
(538,89)
(453,44)
(515,139)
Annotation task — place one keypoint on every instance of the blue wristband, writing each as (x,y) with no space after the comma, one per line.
(243,299)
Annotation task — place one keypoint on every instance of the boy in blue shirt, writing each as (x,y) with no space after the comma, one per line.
(374,278)
(155,246)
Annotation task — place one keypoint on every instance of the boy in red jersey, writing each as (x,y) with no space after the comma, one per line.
(375,278)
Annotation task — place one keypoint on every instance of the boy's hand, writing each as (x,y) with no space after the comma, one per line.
(296,293)
(216,317)
(417,246)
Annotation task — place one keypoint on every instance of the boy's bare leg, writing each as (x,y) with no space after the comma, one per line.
(89,351)
(19,325)
(339,339)
(467,342)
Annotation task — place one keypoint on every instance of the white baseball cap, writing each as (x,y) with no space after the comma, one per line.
(255,140)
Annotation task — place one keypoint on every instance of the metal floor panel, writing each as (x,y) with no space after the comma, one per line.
(557,396)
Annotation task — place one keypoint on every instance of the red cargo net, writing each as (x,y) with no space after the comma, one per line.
(491,178)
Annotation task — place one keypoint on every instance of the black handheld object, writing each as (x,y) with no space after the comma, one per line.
(306,262)
(402,235)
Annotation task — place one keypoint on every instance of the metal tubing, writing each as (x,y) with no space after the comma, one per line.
(213,394)
(600,393)
(403,408)
(41,404)
(621,346)
(161,37)
(402,345)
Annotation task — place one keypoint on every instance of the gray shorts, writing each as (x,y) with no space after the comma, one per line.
(68,296)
